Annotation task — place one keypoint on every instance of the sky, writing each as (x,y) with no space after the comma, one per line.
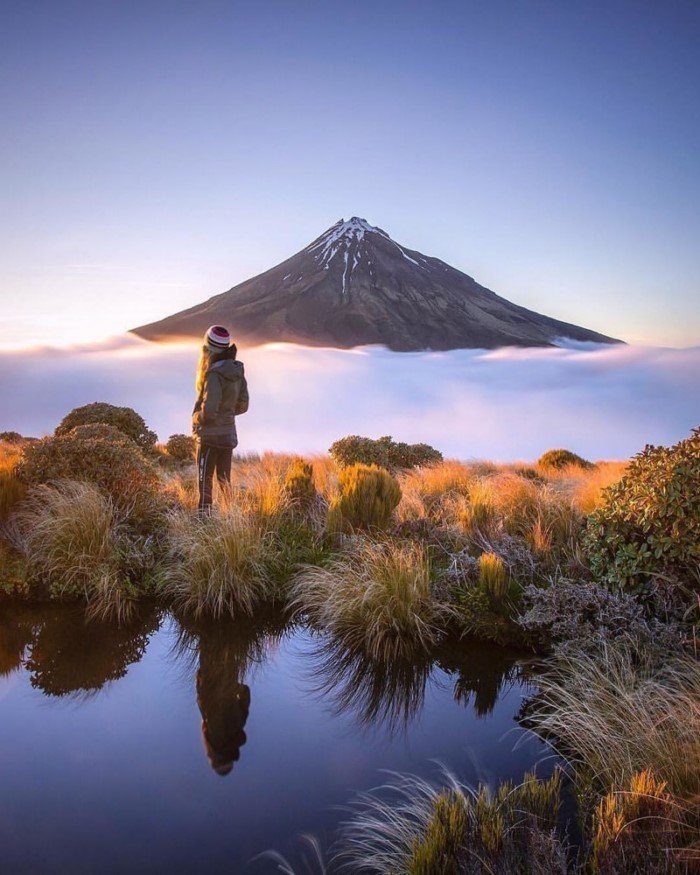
(155,153)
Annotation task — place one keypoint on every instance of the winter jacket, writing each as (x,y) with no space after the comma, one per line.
(224,395)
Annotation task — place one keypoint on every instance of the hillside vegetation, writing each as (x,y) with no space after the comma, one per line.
(388,550)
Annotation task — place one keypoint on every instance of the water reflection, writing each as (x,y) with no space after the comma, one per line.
(225,651)
(392,694)
(67,655)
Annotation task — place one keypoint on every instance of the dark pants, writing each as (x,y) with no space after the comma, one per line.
(212,460)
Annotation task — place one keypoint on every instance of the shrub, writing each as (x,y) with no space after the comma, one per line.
(11,437)
(125,419)
(368,497)
(223,564)
(562,459)
(376,598)
(119,470)
(579,616)
(649,523)
(383,452)
(299,485)
(101,431)
(181,447)
(76,546)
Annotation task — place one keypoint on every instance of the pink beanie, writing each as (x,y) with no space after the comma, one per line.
(217,338)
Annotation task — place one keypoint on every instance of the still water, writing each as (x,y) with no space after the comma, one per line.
(168,746)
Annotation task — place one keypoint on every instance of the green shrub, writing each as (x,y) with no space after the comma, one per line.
(181,447)
(299,485)
(648,524)
(562,459)
(101,431)
(383,452)
(368,497)
(123,418)
(120,470)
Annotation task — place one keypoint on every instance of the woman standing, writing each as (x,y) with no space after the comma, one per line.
(222,394)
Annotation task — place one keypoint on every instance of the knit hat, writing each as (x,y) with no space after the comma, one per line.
(217,338)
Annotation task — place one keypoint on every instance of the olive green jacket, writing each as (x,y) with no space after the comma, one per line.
(224,396)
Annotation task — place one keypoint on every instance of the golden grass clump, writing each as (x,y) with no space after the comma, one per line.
(616,717)
(299,485)
(12,490)
(587,487)
(368,497)
(376,598)
(74,543)
(637,829)
(433,491)
(493,577)
(221,564)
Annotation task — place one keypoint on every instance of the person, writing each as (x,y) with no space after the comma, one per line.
(222,394)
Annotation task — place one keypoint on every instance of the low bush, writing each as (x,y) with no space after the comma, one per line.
(181,447)
(368,497)
(101,431)
(76,547)
(125,419)
(120,470)
(383,452)
(583,617)
(11,437)
(376,598)
(562,459)
(222,564)
(648,524)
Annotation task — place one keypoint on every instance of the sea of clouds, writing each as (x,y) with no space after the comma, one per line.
(601,401)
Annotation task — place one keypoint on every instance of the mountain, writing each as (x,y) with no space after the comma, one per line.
(354,285)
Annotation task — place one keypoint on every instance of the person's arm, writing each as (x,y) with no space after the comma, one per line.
(211,398)
(243,398)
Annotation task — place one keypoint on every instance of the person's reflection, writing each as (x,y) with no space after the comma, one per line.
(223,701)
(225,650)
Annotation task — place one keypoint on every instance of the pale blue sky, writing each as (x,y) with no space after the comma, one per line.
(155,153)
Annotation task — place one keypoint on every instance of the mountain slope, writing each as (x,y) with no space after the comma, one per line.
(354,285)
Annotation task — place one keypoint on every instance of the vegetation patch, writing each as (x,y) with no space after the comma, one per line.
(126,420)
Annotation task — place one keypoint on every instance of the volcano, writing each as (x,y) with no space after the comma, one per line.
(353,286)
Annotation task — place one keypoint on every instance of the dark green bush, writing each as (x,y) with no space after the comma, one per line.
(125,419)
(181,447)
(383,452)
(649,522)
(101,431)
(119,470)
(11,437)
(562,459)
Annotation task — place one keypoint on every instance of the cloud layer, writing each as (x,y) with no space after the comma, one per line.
(601,401)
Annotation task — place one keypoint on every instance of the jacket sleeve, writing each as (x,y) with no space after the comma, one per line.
(211,398)
(243,398)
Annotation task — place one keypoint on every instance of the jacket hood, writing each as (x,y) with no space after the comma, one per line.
(230,369)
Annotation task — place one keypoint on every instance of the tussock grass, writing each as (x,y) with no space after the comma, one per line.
(433,491)
(74,542)
(12,490)
(411,825)
(493,577)
(615,716)
(377,597)
(221,564)
(368,497)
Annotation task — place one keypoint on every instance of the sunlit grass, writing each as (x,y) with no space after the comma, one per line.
(377,597)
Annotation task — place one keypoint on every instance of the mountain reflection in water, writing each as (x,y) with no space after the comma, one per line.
(115,737)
